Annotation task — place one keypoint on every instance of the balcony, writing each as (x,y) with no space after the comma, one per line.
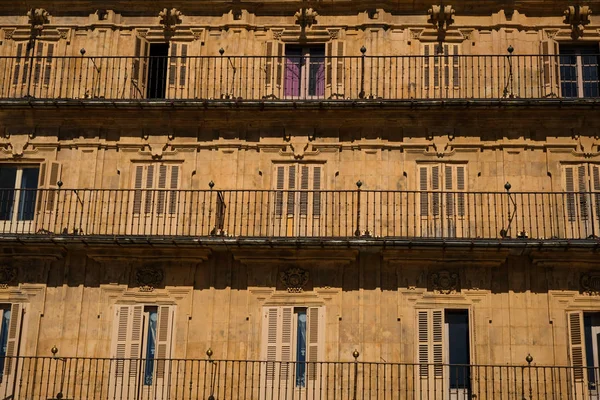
(374,214)
(320,79)
(103,378)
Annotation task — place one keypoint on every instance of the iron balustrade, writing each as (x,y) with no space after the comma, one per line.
(230,77)
(300,213)
(116,379)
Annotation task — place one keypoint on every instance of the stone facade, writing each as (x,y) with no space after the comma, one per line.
(517,292)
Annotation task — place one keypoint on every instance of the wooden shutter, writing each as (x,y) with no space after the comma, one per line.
(316,194)
(436,66)
(304,178)
(135,336)
(17,69)
(14,330)
(577,347)
(570,189)
(328,63)
(279,186)
(454,183)
(435,187)
(461,187)
(315,324)
(426,66)
(277,341)
(149,185)
(423,188)
(455,66)
(582,187)
(162,186)
(37,62)
(340,64)
(178,64)
(166,316)
(48,64)
(137,185)
(291,186)
(140,67)
(174,185)
(120,338)
(335,65)
(430,342)
(50,173)
(550,68)
(449,187)
(274,64)
(596,189)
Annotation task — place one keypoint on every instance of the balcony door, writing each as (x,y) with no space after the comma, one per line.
(582,200)
(18,192)
(304,72)
(579,71)
(297,200)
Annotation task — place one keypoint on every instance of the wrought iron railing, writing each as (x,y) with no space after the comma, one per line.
(182,379)
(228,77)
(300,213)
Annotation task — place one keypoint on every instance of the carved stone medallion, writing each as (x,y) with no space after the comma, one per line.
(8,275)
(148,278)
(444,282)
(294,279)
(590,284)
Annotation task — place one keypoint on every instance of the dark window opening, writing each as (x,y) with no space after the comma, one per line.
(18,191)
(157,70)
(304,71)
(591,327)
(579,71)
(457,325)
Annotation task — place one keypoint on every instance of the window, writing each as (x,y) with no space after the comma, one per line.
(582,184)
(584,351)
(304,71)
(442,198)
(291,201)
(444,351)
(156,189)
(18,192)
(33,63)
(442,68)
(11,316)
(292,343)
(579,71)
(142,341)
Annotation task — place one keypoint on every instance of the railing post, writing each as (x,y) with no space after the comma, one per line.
(361,94)
(209,354)
(511,214)
(529,359)
(355,354)
(510,75)
(357,231)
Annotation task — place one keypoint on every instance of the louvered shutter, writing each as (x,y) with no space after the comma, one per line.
(550,68)
(183,65)
(435,187)
(316,194)
(596,190)
(286,342)
(461,187)
(270,340)
(430,343)
(12,343)
(17,68)
(427,68)
(329,63)
(423,188)
(277,342)
(37,62)
(164,342)
(455,66)
(49,176)
(140,67)
(449,187)
(577,349)
(173,64)
(134,344)
(436,66)
(279,186)
(340,65)
(174,185)
(48,64)
(335,66)
(291,187)
(121,336)
(570,188)
(582,187)
(162,186)
(137,185)
(315,334)
(149,185)
(304,178)
(178,64)
(274,66)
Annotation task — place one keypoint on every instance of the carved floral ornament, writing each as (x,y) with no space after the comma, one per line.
(170,18)
(578,17)
(444,282)
(442,16)
(294,279)
(306,17)
(37,18)
(147,278)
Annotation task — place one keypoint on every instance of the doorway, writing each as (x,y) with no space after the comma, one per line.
(157,71)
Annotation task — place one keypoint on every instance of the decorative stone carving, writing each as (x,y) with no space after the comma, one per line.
(294,279)
(147,278)
(333,34)
(441,17)
(8,34)
(37,18)
(590,283)
(578,17)
(18,144)
(587,146)
(306,17)
(440,146)
(444,282)
(8,274)
(169,19)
